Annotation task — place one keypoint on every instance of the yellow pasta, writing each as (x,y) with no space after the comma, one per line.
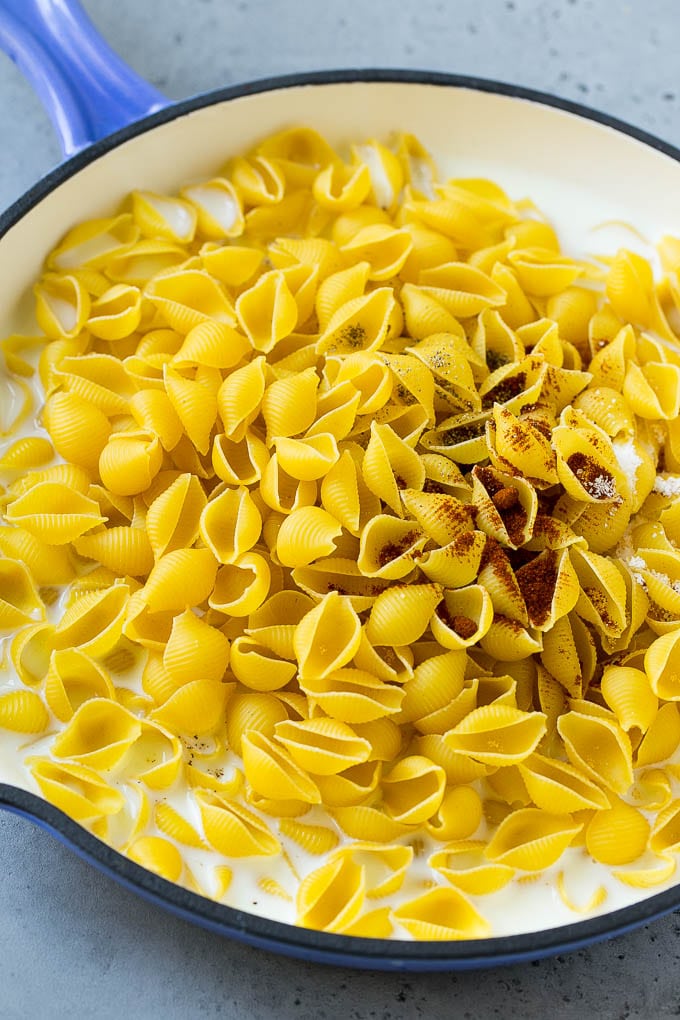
(342,504)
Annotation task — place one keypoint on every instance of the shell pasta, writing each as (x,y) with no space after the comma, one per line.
(343,561)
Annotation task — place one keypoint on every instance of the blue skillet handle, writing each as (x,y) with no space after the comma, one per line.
(87,90)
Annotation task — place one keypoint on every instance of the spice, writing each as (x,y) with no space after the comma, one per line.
(505,498)
(537,582)
(595,479)
(463,626)
(505,390)
(393,550)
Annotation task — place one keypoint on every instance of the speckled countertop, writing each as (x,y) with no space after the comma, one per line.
(74,944)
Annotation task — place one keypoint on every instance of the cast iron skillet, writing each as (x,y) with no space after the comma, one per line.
(118,133)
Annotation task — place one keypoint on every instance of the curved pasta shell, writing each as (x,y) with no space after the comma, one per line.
(181,578)
(218,208)
(258,667)
(267,311)
(662,666)
(314,839)
(23,712)
(662,737)
(435,683)
(79,791)
(99,734)
(389,465)
(327,637)
(360,324)
(173,824)
(241,587)
(532,839)
(78,429)
(94,622)
(550,587)
(230,524)
(665,834)
(62,305)
(233,830)
(524,447)
(459,815)
(389,547)
(617,835)
(353,696)
(240,396)
(195,650)
(289,404)
(331,897)
(323,746)
(560,788)
(187,297)
(413,790)
(122,550)
(497,734)
(599,747)
(352,787)
(54,513)
(28,452)
(20,602)
(464,865)
(441,914)
(462,617)
(158,855)
(196,707)
(401,613)
(195,402)
(250,711)
(72,678)
(30,652)
(272,772)
(173,518)
(368,824)
(629,694)
(239,463)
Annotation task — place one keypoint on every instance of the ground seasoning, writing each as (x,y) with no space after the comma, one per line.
(506,498)
(393,550)
(353,336)
(537,582)
(600,604)
(463,626)
(506,389)
(595,479)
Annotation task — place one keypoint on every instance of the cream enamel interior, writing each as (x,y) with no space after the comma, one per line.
(579,172)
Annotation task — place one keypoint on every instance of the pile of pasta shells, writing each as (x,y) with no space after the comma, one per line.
(347,542)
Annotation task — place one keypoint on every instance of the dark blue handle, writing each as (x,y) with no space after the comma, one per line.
(87,90)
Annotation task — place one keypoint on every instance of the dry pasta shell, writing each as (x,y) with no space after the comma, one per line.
(497,734)
(196,707)
(184,577)
(560,788)
(413,790)
(617,835)
(401,614)
(441,914)
(459,814)
(272,772)
(72,678)
(599,747)
(94,622)
(532,839)
(75,789)
(327,637)
(23,712)
(195,650)
(464,865)
(322,746)
(247,710)
(234,830)
(355,785)
(122,550)
(353,696)
(173,518)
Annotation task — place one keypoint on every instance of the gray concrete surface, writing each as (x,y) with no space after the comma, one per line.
(72,943)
